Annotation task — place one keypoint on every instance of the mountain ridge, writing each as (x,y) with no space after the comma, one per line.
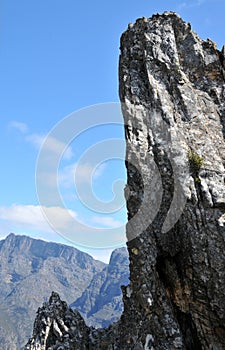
(30,269)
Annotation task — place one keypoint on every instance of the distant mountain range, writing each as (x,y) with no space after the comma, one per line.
(101,303)
(31,269)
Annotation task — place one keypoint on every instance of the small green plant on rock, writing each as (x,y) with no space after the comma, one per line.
(196,162)
(177,68)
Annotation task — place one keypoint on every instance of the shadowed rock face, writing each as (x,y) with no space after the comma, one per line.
(172,89)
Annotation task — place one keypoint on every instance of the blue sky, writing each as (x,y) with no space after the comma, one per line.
(58,57)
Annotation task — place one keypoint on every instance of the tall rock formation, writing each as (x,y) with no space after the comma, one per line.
(172,89)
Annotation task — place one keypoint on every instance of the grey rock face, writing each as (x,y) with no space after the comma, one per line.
(172,89)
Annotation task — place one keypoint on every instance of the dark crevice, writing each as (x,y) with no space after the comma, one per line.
(221,58)
(169,269)
(170,274)
(222,119)
(52,338)
(167,185)
(188,329)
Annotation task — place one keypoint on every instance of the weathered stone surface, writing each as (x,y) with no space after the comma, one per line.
(58,327)
(172,89)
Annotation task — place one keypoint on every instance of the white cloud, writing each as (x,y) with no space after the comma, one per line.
(21,127)
(65,228)
(67,174)
(106,221)
(51,144)
(99,170)
(36,140)
(185,5)
(32,217)
(79,173)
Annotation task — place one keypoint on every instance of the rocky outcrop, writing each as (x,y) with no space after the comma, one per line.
(172,89)
(57,324)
